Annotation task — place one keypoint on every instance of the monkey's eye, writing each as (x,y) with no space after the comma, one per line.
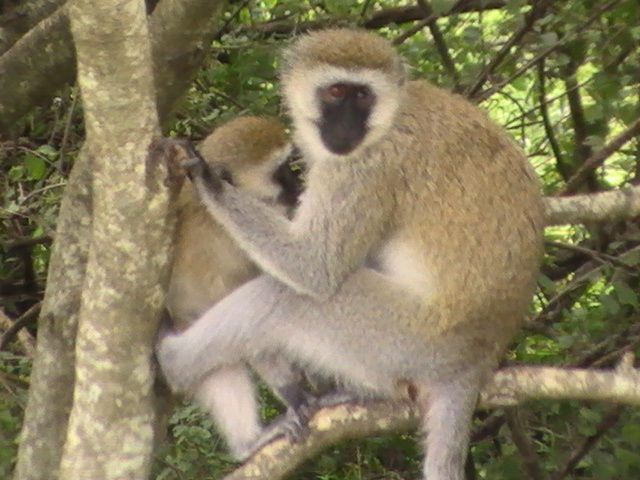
(337,90)
(362,92)
(364,96)
(335,93)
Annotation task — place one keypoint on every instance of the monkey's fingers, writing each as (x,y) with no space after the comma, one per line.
(287,425)
(332,399)
(164,150)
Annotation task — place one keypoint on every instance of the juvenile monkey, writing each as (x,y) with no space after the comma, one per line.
(411,259)
(207,265)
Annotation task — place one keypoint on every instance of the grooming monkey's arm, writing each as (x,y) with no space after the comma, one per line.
(313,254)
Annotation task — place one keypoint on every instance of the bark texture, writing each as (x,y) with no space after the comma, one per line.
(43,61)
(608,206)
(22,18)
(35,68)
(110,433)
(52,377)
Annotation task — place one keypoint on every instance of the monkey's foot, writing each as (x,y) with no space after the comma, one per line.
(288,425)
(332,399)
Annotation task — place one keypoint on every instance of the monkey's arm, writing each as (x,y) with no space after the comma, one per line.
(312,254)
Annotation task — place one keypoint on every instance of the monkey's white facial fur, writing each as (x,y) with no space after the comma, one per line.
(272,179)
(337,111)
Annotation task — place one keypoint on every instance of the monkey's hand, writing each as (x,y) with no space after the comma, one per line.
(214,176)
(169,151)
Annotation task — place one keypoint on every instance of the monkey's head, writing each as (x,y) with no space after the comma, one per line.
(342,88)
(258,155)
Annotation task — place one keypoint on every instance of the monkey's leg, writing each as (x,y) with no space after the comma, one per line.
(288,383)
(229,396)
(363,335)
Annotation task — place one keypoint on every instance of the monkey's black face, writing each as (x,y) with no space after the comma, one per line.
(288,177)
(345,110)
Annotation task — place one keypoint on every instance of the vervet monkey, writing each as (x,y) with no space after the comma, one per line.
(413,254)
(208,265)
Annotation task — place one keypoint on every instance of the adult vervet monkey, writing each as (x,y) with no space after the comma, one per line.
(207,265)
(411,259)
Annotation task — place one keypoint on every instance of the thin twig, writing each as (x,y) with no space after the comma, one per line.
(546,121)
(410,32)
(608,421)
(530,460)
(26,242)
(18,324)
(598,158)
(600,257)
(440,43)
(67,128)
(41,190)
(483,95)
(529,21)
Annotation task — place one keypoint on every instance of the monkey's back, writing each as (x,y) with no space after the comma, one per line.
(207,263)
(473,208)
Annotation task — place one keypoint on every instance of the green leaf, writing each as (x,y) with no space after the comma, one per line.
(631,433)
(48,151)
(626,295)
(632,259)
(36,167)
(548,38)
(16,173)
(471,34)
(590,415)
(546,283)
(442,6)
(611,306)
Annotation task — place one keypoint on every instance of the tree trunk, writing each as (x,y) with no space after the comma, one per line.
(110,427)
(52,378)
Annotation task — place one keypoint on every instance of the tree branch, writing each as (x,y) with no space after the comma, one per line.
(17,325)
(537,12)
(601,10)
(22,18)
(35,68)
(440,43)
(379,19)
(530,460)
(508,387)
(43,60)
(561,164)
(609,420)
(595,207)
(600,156)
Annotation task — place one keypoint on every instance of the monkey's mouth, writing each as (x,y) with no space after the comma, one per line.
(340,140)
(341,146)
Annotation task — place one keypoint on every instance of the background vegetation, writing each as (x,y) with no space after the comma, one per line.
(562,76)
